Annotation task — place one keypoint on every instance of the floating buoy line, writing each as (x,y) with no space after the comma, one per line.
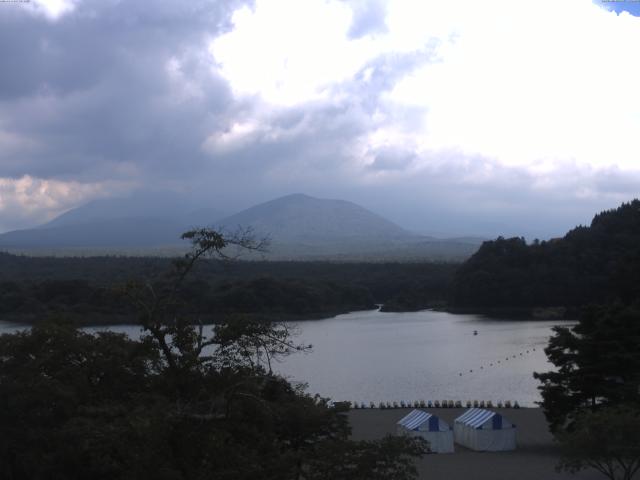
(501,361)
(450,403)
(433,404)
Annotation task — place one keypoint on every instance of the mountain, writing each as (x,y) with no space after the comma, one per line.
(590,264)
(300,227)
(303,227)
(142,220)
(166,206)
(300,218)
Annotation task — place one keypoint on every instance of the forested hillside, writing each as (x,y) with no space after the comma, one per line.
(590,264)
(89,289)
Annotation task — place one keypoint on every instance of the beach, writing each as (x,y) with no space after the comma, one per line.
(534,459)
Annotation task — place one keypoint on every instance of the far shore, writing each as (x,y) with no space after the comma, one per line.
(99,319)
(111,320)
(534,459)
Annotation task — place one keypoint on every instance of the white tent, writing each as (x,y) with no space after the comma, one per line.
(423,424)
(484,430)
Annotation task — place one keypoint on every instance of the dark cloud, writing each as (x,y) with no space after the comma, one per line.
(392,158)
(615,181)
(310,147)
(94,88)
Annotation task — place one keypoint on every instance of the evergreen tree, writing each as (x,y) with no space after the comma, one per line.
(597,362)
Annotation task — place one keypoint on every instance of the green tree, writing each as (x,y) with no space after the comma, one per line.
(74,402)
(597,364)
(607,440)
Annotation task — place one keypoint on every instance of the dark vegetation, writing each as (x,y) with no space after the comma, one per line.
(31,288)
(607,440)
(592,398)
(181,403)
(595,264)
(597,364)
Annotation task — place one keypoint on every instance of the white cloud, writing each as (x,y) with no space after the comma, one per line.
(554,84)
(290,51)
(52,9)
(237,136)
(27,200)
(527,86)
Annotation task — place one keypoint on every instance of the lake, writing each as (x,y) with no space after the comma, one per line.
(380,356)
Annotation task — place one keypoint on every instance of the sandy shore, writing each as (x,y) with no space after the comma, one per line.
(534,459)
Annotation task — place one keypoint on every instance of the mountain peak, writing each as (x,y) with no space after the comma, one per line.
(296,196)
(300,218)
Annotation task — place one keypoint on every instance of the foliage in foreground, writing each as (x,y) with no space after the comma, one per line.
(592,399)
(607,440)
(597,364)
(175,404)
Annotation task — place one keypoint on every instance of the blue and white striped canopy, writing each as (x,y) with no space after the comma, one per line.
(417,418)
(477,417)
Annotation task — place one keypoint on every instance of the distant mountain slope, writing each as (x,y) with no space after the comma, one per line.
(119,232)
(141,220)
(300,228)
(167,206)
(597,263)
(303,219)
(306,228)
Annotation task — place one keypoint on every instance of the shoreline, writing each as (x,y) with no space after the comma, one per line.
(535,457)
(559,313)
(104,320)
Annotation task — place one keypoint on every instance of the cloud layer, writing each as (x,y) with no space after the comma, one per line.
(469,117)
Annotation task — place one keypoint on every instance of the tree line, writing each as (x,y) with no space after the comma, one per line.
(87,289)
(592,397)
(599,263)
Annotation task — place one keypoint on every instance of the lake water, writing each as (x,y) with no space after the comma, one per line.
(375,356)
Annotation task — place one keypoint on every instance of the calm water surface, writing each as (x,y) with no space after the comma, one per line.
(375,356)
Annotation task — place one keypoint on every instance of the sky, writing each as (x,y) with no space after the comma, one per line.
(455,118)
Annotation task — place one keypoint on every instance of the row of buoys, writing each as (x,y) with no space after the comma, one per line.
(506,359)
(435,404)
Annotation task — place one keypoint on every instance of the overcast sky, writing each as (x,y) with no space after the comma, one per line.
(453,117)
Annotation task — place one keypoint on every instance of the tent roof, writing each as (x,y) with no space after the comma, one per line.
(415,419)
(475,417)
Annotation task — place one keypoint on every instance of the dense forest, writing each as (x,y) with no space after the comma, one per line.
(591,264)
(89,290)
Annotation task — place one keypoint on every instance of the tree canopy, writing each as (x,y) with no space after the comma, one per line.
(607,440)
(595,264)
(597,364)
(34,288)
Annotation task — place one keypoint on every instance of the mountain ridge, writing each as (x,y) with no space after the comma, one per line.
(299,227)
